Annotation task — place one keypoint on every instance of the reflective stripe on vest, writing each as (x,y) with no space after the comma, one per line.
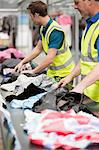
(89,58)
(61,66)
(48,32)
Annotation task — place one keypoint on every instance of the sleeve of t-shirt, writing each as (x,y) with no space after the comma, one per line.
(56,39)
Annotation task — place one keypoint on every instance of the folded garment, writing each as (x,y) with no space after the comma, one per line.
(68,101)
(9,78)
(62,130)
(18,86)
(10,53)
(31,90)
(48,102)
(27,103)
(10,63)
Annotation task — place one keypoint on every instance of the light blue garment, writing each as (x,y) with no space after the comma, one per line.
(27,103)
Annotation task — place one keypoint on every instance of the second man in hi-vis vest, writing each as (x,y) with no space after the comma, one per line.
(52,41)
(88,66)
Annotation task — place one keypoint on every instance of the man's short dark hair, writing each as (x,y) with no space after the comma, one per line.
(38,7)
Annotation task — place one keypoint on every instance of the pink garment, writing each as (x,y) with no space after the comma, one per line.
(7,54)
(64,20)
(68,130)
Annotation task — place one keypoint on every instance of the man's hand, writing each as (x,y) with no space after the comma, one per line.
(78,89)
(65,81)
(18,67)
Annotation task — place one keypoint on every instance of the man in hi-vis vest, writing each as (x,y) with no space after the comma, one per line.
(52,41)
(88,66)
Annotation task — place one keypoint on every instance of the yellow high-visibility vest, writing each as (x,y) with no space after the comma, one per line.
(89,58)
(63,62)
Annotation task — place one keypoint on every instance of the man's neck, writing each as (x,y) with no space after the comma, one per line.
(45,20)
